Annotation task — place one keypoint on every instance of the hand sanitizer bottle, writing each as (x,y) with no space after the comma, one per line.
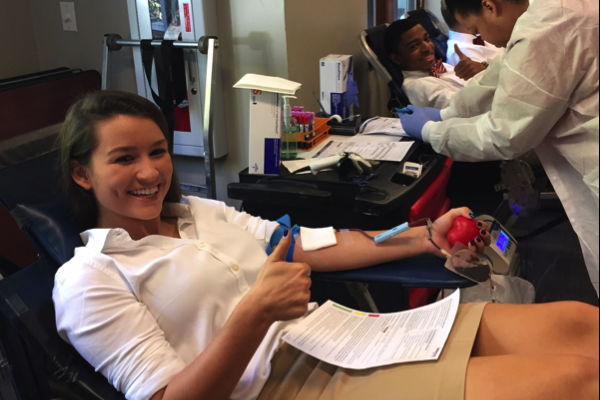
(289,141)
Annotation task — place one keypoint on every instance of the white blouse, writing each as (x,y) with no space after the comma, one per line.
(141,311)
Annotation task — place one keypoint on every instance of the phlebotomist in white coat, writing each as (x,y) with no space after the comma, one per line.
(542,95)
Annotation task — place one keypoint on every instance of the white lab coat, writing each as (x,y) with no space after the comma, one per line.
(475,52)
(543,95)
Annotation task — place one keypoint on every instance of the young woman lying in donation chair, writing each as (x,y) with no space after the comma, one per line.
(176,298)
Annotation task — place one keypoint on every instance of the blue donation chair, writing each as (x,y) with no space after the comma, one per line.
(43,365)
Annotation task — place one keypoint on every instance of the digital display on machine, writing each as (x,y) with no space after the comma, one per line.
(503,241)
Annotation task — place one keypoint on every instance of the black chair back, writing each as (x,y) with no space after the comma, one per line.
(45,366)
(373,45)
(30,189)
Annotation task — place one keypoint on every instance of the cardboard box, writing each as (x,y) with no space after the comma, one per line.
(266,120)
(334,84)
(265,132)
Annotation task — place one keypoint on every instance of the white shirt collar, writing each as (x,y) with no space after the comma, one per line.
(461,37)
(102,240)
(415,74)
(425,74)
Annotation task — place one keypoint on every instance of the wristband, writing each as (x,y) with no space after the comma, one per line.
(285,223)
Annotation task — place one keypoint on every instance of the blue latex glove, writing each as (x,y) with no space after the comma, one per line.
(413,123)
(433,113)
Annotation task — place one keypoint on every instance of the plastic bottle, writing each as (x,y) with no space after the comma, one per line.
(289,142)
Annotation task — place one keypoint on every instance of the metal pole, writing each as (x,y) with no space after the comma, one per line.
(106,61)
(156,43)
(115,43)
(206,45)
(360,292)
(209,116)
(372,14)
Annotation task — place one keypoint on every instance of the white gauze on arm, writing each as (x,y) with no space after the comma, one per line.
(317,239)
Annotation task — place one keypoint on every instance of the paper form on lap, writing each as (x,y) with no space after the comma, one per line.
(357,340)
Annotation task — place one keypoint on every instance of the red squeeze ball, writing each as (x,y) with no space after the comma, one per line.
(465,231)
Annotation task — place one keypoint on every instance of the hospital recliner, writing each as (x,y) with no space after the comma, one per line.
(43,364)
(372,44)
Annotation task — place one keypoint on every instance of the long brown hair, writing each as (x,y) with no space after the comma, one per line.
(77,140)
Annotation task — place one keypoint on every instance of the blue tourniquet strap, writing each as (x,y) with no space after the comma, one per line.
(284,222)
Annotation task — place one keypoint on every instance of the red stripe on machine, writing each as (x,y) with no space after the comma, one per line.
(187,16)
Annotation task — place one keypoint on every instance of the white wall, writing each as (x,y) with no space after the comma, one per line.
(334,29)
(83,49)
(18,47)
(253,39)
(435,6)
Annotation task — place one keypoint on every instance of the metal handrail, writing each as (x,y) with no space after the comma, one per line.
(206,45)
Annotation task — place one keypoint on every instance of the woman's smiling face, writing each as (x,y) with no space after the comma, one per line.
(130,171)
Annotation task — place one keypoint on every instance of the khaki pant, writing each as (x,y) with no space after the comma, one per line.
(297,376)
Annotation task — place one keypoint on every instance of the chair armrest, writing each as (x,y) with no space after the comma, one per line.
(420,272)
(26,303)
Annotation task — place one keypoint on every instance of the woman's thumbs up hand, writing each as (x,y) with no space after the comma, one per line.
(282,290)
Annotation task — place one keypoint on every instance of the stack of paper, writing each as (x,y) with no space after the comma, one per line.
(357,340)
(396,151)
(268,84)
(383,126)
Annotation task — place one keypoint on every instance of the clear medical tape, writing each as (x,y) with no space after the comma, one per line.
(346,236)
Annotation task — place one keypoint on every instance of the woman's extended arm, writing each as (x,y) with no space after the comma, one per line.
(354,250)
(280,294)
